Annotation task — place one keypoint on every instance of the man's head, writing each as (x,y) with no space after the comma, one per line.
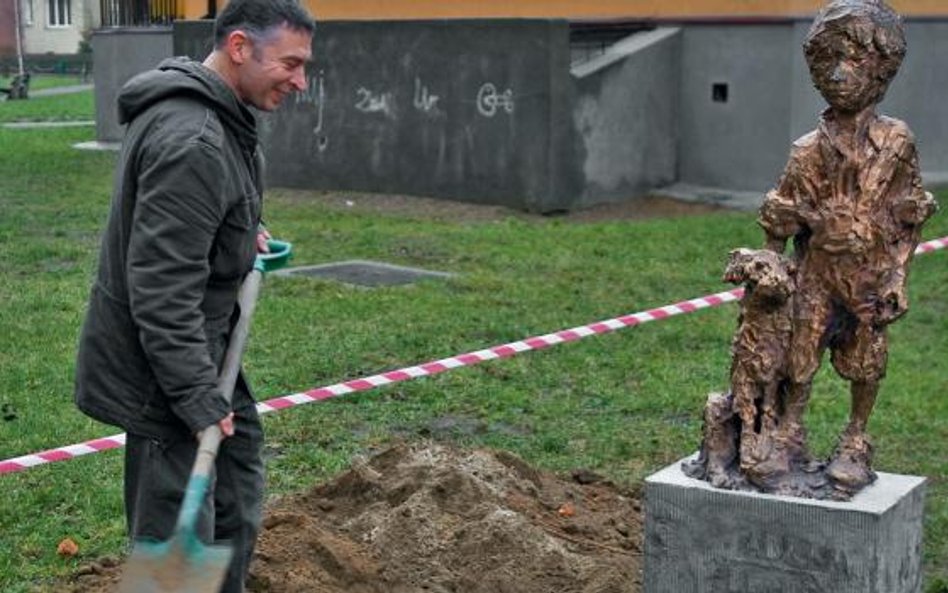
(261,48)
(853,50)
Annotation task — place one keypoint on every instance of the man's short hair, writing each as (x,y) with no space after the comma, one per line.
(885,33)
(257,17)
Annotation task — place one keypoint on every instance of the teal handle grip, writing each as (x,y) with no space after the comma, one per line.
(280,254)
(186,528)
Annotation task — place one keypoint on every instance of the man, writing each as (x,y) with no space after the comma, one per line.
(182,234)
(852,201)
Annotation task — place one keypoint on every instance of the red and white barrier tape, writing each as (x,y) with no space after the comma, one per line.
(504,351)
(429,368)
(62,453)
(933,245)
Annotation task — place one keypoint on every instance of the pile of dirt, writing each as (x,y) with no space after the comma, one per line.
(435,519)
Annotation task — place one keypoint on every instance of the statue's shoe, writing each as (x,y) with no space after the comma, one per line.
(850,466)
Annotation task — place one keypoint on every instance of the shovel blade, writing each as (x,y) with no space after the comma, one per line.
(175,567)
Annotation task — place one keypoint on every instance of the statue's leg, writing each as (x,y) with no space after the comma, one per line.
(761,463)
(745,392)
(811,320)
(863,400)
(862,360)
(798,396)
(806,350)
(851,463)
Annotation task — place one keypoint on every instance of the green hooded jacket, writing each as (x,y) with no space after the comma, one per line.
(180,237)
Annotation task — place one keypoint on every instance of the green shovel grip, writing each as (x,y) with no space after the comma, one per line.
(280,253)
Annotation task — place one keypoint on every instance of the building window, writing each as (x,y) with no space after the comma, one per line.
(27,15)
(719,92)
(60,13)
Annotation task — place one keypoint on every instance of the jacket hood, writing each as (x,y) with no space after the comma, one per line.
(181,77)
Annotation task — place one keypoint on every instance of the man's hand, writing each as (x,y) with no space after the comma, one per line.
(263,235)
(226,424)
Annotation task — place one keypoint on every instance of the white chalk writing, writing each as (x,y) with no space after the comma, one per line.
(424,101)
(489,101)
(369,102)
(315,94)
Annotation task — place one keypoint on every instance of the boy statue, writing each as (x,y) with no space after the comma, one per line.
(851,199)
(852,202)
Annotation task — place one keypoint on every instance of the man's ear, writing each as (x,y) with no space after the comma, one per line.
(238,46)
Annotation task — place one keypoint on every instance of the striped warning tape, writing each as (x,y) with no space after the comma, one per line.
(933,245)
(503,351)
(429,368)
(62,453)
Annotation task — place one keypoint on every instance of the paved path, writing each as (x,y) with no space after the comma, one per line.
(61,90)
(49,124)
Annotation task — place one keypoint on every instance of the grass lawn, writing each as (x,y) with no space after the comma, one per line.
(48,81)
(623,404)
(72,106)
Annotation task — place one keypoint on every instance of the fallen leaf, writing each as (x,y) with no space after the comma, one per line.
(67,548)
(567,510)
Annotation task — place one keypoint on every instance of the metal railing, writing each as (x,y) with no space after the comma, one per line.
(140,13)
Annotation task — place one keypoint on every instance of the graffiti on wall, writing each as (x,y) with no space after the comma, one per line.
(490,102)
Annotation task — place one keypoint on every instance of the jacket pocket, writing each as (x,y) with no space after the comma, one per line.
(113,378)
(217,332)
(235,245)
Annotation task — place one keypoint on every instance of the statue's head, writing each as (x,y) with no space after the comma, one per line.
(853,50)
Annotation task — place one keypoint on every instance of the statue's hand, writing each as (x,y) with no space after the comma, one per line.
(915,209)
(891,304)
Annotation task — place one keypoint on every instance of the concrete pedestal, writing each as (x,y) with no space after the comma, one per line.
(699,539)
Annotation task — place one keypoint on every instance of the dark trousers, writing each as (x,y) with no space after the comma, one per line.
(157,470)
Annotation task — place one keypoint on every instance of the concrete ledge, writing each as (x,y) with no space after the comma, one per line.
(935,179)
(737,199)
(700,539)
(622,49)
(97,145)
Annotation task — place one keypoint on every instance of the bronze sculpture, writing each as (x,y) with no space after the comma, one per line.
(852,202)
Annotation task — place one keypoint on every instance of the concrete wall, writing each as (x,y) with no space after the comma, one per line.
(744,143)
(915,95)
(193,38)
(741,142)
(119,54)
(489,111)
(473,110)
(626,115)
(482,111)
(467,109)
(590,10)
(918,93)
(571,9)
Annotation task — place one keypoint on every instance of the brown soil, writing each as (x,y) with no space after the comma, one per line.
(651,206)
(428,518)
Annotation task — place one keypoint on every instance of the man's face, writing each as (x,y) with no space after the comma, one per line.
(845,70)
(274,68)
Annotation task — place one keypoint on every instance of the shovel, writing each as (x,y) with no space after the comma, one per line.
(184,564)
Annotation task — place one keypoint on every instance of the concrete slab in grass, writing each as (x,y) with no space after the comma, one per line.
(98,145)
(365,273)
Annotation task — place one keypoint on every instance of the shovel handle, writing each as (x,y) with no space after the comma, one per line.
(211,437)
